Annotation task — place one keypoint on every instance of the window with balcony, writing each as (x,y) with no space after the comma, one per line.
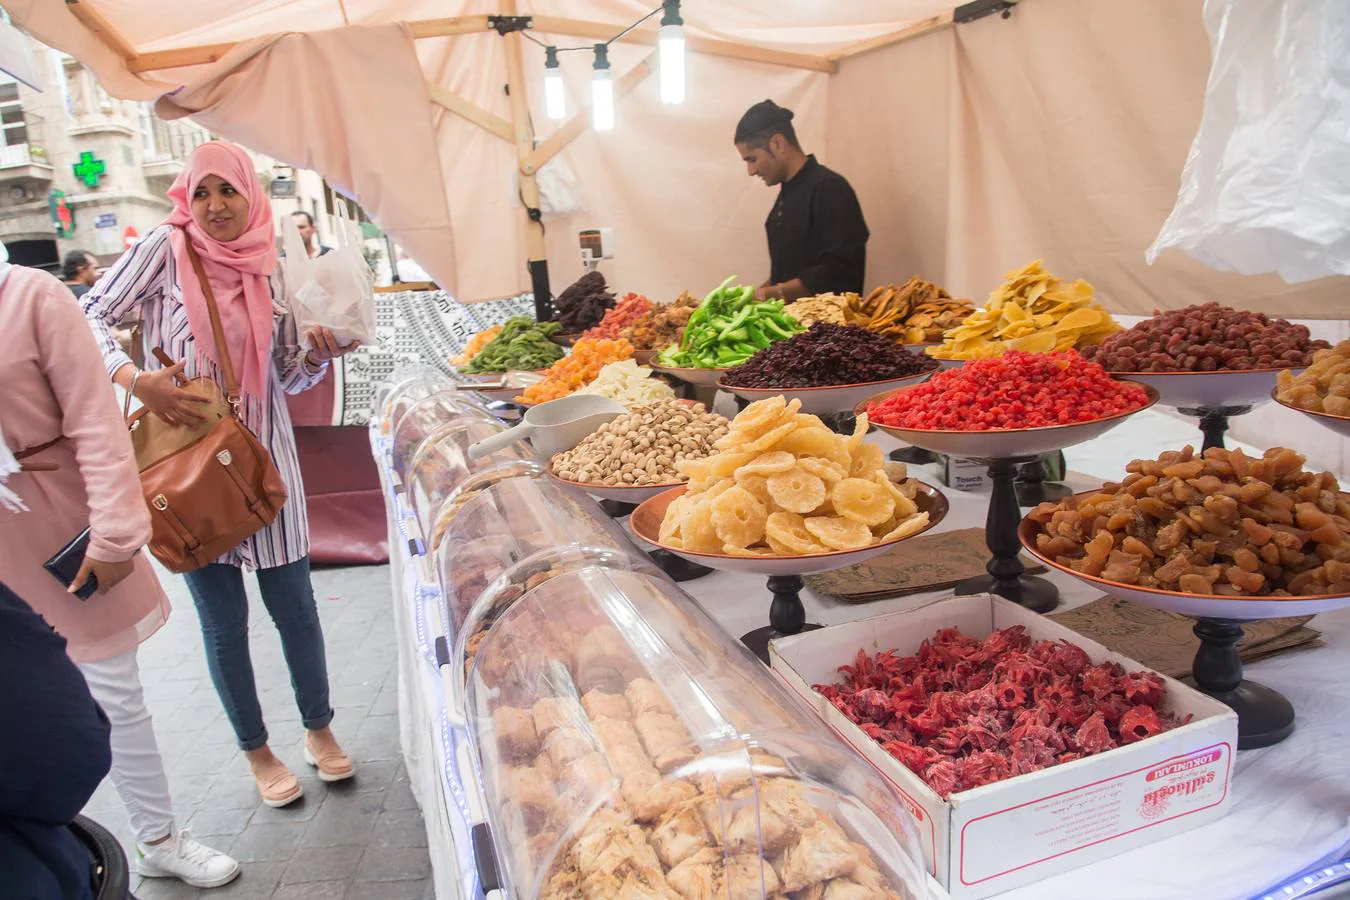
(12,120)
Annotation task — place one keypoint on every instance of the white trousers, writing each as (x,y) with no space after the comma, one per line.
(137,769)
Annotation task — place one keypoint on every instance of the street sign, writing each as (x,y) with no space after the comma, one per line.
(106,220)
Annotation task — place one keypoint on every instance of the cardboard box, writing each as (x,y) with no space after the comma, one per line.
(1024,829)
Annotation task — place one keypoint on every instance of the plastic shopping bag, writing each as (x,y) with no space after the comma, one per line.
(336,290)
(1266,186)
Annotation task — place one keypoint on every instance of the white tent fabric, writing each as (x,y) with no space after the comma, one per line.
(1059,133)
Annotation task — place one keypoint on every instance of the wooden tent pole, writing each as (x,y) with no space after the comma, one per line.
(537,256)
(95,21)
(488,121)
(885,40)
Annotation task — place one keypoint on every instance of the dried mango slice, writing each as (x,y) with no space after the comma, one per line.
(862,501)
(839,533)
(796,490)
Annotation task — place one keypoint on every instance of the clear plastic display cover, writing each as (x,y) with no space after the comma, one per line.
(408,387)
(441,464)
(631,749)
(479,481)
(428,415)
(505,524)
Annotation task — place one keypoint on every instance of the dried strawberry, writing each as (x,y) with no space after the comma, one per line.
(1139,723)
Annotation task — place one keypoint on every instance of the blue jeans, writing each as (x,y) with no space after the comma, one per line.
(222,606)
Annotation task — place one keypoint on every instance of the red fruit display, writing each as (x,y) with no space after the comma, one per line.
(962,712)
(1015,390)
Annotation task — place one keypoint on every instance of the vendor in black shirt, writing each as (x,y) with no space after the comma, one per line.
(817,236)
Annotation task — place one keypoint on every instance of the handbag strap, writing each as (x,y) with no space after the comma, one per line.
(217,330)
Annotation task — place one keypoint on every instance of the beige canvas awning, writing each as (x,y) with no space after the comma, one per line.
(1058,133)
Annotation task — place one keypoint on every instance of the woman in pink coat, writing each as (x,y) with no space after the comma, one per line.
(59,416)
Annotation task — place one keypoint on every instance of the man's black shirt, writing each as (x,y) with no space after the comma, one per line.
(817,233)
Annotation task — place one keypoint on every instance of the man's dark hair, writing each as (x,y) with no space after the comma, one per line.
(762,121)
(75,261)
(309,220)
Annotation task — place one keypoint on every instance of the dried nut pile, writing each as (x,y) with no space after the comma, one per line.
(1221,523)
(643,447)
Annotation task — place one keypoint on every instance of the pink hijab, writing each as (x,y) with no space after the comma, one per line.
(238,270)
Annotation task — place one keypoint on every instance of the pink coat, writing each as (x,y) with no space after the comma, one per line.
(55,385)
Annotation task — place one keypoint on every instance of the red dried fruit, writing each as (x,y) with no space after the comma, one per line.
(1139,723)
(962,712)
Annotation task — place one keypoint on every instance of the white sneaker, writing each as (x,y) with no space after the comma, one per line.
(183,858)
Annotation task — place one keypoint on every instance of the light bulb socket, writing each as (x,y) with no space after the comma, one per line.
(550,57)
(671,16)
(601,57)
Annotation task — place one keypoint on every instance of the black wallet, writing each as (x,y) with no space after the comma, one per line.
(65,565)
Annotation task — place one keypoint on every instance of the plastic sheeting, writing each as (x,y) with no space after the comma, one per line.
(1266,186)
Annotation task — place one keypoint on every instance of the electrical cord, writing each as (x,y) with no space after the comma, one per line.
(526,34)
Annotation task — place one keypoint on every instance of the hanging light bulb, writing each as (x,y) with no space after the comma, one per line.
(555,98)
(671,48)
(602,91)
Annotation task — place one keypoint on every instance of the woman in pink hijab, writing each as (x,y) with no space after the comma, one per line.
(221,208)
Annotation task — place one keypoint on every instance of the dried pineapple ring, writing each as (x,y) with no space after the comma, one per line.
(725,464)
(839,533)
(859,432)
(694,469)
(756,484)
(767,440)
(819,442)
(768,463)
(788,531)
(903,494)
(823,469)
(912,525)
(738,518)
(670,525)
(696,529)
(759,416)
(717,488)
(733,550)
(867,458)
(796,490)
(862,501)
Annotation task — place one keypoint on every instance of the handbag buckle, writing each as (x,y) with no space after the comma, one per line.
(159,502)
(225,457)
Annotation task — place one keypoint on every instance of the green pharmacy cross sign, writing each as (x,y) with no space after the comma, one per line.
(90,170)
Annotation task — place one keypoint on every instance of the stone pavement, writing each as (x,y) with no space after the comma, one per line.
(360,840)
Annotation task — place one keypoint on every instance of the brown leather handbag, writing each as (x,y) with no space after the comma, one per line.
(209,486)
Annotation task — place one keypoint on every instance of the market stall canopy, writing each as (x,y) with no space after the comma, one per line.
(1059,133)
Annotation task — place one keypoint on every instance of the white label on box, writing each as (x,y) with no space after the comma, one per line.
(1093,814)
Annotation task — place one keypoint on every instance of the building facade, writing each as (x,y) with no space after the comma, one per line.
(82,170)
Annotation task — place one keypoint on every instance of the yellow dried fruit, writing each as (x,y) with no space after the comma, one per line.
(796,490)
(738,518)
(867,459)
(768,463)
(839,533)
(862,501)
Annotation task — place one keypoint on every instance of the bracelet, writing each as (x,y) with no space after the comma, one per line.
(131,389)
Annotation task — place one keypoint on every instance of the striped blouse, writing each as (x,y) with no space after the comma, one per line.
(144,283)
